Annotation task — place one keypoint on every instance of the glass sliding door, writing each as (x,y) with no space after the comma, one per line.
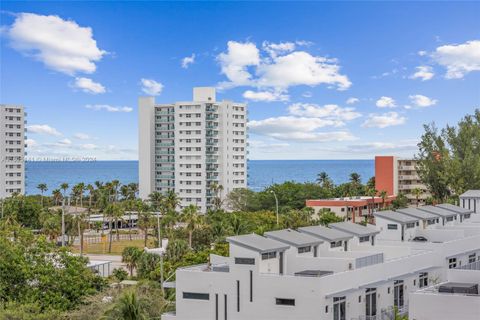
(371,303)
(398,294)
(339,308)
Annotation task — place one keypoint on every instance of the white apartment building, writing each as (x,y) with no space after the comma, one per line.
(187,146)
(12,145)
(342,272)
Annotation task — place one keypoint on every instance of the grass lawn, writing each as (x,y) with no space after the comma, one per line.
(117,246)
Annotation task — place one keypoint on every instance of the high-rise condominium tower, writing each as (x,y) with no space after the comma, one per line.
(12,146)
(191,147)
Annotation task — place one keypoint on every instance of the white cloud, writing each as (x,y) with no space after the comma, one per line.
(381,147)
(151,87)
(422,53)
(301,68)
(64,142)
(106,107)
(235,61)
(384,120)
(188,61)
(307,94)
(88,85)
(423,72)
(81,136)
(459,59)
(89,146)
(31,143)
(275,49)
(352,100)
(61,45)
(278,67)
(43,129)
(304,121)
(267,96)
(385,102)
(422,101)
(329,111)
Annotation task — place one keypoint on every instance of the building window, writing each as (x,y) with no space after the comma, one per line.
(472,258)
(284,302)
(269,255)
(452,263)
(196,296)
(364,239)
(335,244)
(449,219)
(304,249)
(423,279)
(410,225)
(392,227)
(244,260)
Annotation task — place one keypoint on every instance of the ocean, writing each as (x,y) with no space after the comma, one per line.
(261,173)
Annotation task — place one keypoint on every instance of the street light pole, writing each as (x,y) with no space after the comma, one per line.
(276,203)
(63,222)
(161,253)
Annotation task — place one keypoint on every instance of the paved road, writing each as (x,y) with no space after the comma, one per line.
(114,259)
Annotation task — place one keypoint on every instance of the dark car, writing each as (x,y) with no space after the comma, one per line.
(420,239)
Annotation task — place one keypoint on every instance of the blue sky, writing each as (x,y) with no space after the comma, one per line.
(323,80)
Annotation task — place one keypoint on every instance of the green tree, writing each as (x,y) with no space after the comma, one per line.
(324,180)
(417,192)
(128,307)
(131,256)
(42,187)
(191,218)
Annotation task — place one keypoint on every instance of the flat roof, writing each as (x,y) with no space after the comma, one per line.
(293,237)
(453,208)
(257,243)
(325,233)
(354,228)
(313,273)
(438,211)
(471,194)
(414,212)
(395,216)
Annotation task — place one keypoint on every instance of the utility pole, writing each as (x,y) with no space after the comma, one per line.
(276,203)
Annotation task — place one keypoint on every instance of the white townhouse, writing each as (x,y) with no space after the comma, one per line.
(396,226)
(190,146)
(471,200)
(282,276)
(447,217)
(428,220)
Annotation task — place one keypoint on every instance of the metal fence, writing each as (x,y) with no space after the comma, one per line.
(471,266)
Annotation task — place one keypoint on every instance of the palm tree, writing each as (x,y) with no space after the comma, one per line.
(324,180)
(57,195)
(372,192)
(64,186)
(355,178)
(81,226)
(384,196)
(128,307)
(42,187)
(144,221)
(115,185)
(417,192)
(191,218)
(156,199)
(217,190)
(113,212)
(172,201)
(91,191)
(131,256)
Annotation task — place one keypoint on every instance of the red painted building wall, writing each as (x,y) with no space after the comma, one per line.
(384,175)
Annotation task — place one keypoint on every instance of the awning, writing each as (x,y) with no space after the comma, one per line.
(340,293)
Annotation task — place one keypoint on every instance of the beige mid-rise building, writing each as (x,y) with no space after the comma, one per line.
(399,176)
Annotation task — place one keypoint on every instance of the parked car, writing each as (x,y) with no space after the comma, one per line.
(420,239)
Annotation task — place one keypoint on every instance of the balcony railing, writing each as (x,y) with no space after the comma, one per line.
(471,266)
